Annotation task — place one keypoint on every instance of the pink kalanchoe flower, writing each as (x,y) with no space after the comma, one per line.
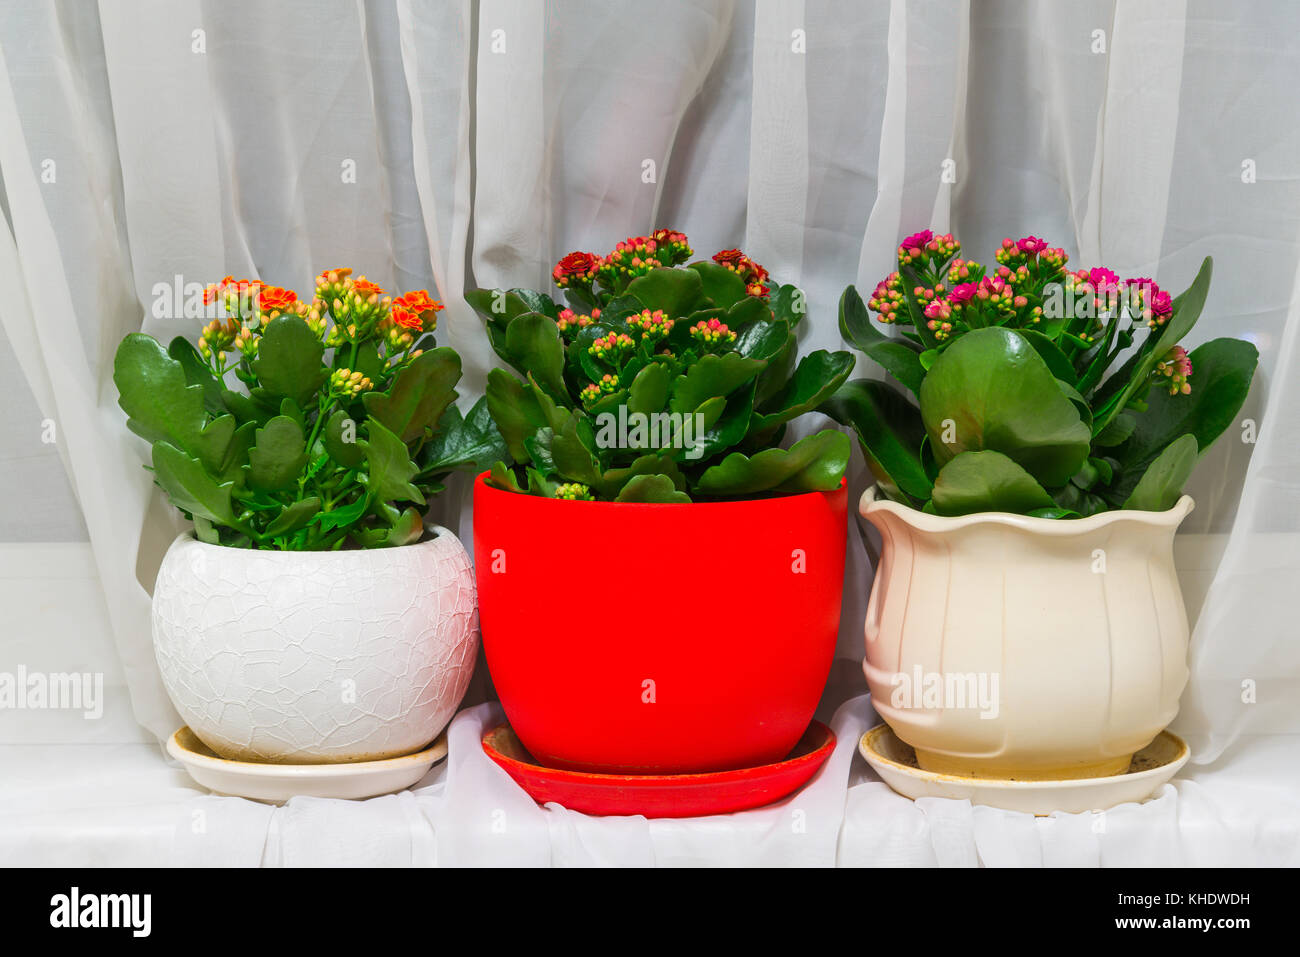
(917,240)
(1177,366)
(963,293)
(1031,245)
(1102,278)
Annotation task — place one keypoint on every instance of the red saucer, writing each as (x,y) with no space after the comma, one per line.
(662,795)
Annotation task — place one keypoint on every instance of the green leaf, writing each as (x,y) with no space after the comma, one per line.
(198,372)
(710,377)
(294,517)
(573,455)
(649,390)
(339,437)
(990,390)
(190,487)
(1051,354)
(765,340)
(1119,429)
(789,304)
(390,467)
(278,455)
(651,488)
(678,292)
(815,380)
(816,463)
(721,285)
(1162,483)
(1222,370)
(890,431)
(408,528)
(987,482)
(535,347)
(345,515)
(515,409)
(155,394)
(503,478)
(471,443)
(420,393)
(289,360)
(500,306)
(893,355)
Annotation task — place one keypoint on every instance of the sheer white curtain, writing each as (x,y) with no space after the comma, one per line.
(454,144)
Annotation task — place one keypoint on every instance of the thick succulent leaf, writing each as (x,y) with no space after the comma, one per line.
(990,390)
(721,285)
(613,480)
(649,390)
(514,407)
(471,443)
(710,377)
(535,348)
(504,478)
(154,392)
(651,488)
(339,436)
(407,529)
(500,306)
(987,482)
(678,292)
(289,360)
(344,515)
(420,393)
(190,487)
(389,467)
(891,434)
(573,452)
(895,356)
(294,517)
(278,455)
(198,372)
(1162,483)
(1051,353)
(1222,370)
(816,379)
(789,304)
(816,463)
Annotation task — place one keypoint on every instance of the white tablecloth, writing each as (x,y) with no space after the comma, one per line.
(128,804)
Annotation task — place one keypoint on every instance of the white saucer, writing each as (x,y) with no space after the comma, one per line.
(1152,767)
(276,783)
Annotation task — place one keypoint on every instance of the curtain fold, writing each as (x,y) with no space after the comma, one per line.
(467,144)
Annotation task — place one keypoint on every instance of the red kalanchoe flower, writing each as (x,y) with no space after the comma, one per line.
(672,247)
(570,321)
(652,325)
(712,333)
(751,273)
(576,267)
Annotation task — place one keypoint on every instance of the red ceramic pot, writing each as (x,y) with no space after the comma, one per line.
(659,639)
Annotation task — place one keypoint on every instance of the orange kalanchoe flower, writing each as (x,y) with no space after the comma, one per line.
(405,318)
(365,288)
(419,302)
(276,299)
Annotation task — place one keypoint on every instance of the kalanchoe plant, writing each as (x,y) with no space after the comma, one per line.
(344,429)
(1041,390)
(658,382)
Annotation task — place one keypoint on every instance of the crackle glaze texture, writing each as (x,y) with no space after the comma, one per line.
(315,657)
(1081,622)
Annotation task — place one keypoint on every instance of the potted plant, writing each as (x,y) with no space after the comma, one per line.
(1030,451)
(310,616)
(659,578)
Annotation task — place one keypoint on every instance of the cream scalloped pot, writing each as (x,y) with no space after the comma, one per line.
(1000,645)
(316,657)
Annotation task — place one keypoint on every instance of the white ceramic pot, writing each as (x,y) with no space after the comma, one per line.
(316,657)
(1005,646)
